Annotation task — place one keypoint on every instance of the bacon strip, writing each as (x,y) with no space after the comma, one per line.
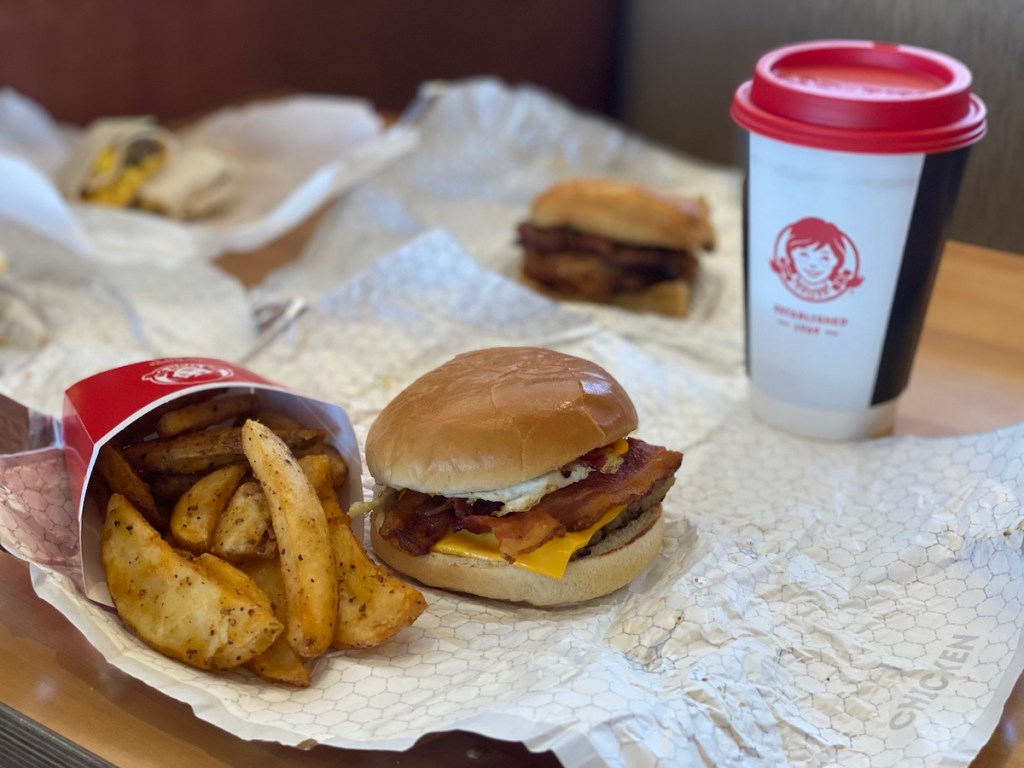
(418,520)
(580,505)
(517,533)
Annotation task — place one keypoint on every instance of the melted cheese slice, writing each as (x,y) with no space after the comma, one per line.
(550,559)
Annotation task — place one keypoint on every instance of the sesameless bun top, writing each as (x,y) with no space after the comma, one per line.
(626,213)
(494,418)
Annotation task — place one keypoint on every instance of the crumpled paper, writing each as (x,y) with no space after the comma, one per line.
(293,154)
(814,603)
(76,317)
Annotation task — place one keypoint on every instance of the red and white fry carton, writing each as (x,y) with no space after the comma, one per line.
(100,407)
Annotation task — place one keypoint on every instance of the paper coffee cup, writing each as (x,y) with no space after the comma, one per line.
(856,152)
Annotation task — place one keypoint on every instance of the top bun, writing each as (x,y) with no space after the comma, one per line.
(494,418)
(625,213)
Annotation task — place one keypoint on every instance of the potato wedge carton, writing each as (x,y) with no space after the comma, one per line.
(151,430)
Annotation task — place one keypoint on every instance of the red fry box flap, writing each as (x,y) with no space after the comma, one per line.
(103,406)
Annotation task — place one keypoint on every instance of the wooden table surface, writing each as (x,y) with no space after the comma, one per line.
(969,376)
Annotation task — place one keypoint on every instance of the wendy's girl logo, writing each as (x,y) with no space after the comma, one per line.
(816,260)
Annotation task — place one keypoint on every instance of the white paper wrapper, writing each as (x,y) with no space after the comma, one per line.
(855,604)
(293,155)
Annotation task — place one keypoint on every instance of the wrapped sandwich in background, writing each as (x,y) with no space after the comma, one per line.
(196,182)
(135,163)
(114,159)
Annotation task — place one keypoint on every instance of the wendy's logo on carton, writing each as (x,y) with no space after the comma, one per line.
(188,372)
(816,260)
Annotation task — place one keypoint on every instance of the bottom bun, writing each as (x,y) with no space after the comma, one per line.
(668,297)
(612,563)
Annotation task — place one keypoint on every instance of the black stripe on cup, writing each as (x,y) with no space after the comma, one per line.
(933,206)
(746,272)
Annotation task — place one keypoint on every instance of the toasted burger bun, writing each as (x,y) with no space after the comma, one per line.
(494,418)
(610,565)
(626,213)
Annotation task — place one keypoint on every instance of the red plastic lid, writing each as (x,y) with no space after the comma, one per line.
(861,96)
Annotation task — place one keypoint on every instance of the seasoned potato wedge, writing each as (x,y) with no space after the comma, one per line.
(317,469)
(146,424)
(234,577)
(172,603)
(203,451)
(303,540)
(373,605)
(170,487)
(197,416)
(336,466)
(279,663)
(121,478)
(197,512)
(244,528)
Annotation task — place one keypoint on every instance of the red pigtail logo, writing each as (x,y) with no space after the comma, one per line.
(816,260)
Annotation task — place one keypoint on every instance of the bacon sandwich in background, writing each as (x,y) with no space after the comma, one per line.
(615,242)
(509,473)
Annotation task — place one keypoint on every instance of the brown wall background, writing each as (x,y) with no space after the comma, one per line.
(683,60)
(83,59)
